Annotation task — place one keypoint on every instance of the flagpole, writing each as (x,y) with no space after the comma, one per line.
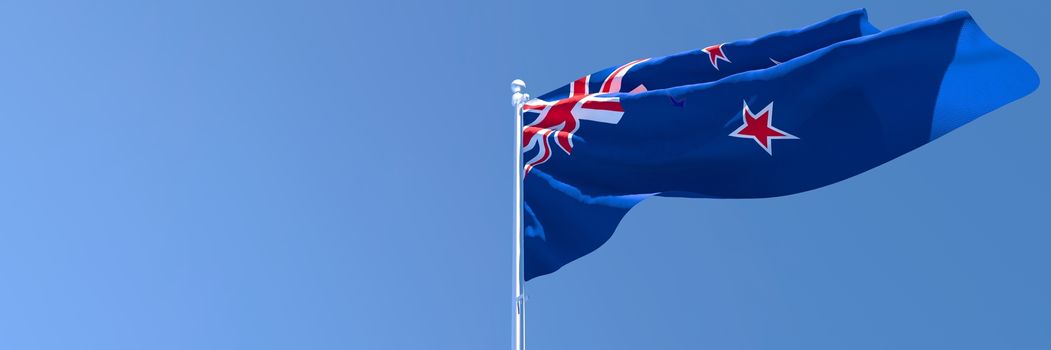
(518,100)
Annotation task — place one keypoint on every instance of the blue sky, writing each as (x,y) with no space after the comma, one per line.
(337,175)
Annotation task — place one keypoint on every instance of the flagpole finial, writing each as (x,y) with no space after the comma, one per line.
(519,98)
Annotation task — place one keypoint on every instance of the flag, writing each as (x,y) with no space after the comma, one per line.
(773,116)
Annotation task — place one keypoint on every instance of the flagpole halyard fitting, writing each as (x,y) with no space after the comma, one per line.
(518,99)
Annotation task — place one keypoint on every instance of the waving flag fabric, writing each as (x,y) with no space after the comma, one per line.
(773,116)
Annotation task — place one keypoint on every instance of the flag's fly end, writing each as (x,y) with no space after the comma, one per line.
(982,77)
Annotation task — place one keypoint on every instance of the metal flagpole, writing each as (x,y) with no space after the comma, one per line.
(518,100)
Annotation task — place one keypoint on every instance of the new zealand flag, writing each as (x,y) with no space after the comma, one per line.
(782,114)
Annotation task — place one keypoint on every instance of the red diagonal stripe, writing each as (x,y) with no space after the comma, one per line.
(604,105)
(608,84)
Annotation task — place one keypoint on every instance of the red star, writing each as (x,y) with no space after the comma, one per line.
(715,53)
(759,127)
